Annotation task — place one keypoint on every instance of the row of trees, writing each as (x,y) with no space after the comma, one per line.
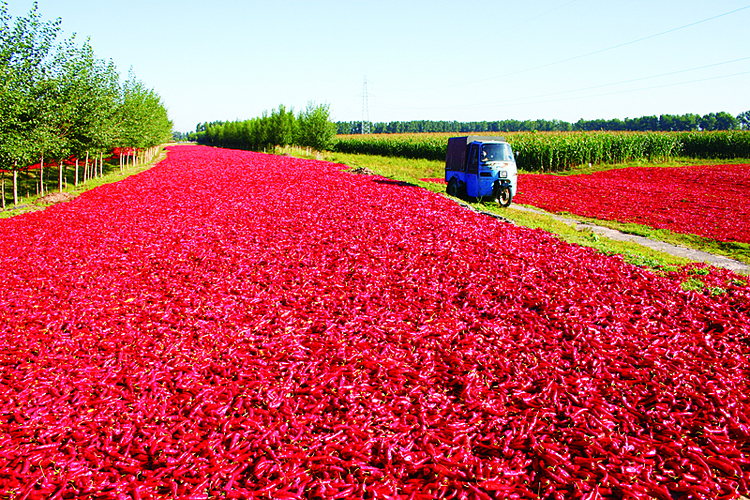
(311,127)
(59,101)
(666,123)
(670,123)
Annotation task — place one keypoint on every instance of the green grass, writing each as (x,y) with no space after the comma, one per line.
(402,169)
(409,170)
(27,184)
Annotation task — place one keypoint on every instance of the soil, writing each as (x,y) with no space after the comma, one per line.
(361,170)
(54,198)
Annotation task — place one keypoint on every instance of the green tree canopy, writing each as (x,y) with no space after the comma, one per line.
(314,127)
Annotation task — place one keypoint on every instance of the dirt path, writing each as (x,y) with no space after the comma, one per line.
(679,251)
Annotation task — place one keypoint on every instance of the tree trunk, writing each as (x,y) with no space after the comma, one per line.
(60,183)
(101,164)
(76,179)
(41,176)
(15,184)
(2,190)
(86,168)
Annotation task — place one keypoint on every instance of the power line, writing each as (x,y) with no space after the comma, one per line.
(652,87)
(580,56)
(509,102)
(616,83)
(639,79)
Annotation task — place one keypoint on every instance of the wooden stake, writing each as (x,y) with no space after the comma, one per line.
(41,176)
(15,184)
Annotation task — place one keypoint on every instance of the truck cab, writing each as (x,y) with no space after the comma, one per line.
(479,167)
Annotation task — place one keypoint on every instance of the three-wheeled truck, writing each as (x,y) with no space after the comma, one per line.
(479,167)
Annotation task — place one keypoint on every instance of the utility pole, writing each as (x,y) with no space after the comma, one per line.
(365,110)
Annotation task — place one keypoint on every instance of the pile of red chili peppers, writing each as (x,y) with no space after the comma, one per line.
(236,325)
(708,200)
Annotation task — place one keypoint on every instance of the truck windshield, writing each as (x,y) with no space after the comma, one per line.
(497,152)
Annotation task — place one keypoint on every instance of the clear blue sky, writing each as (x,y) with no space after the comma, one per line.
(434,60)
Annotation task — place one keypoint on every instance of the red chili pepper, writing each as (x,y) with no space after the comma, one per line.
(285,344)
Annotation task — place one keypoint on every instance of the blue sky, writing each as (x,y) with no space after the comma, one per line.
(434,60)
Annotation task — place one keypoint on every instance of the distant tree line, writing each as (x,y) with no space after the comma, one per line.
(664,123)
(59,101)
(311,127)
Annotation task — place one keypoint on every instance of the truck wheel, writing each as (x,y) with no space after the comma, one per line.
(452,189)
(503,196)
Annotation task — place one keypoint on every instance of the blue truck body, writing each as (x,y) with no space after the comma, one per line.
(480,167)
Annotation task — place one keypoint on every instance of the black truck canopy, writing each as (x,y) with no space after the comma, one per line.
(455,157)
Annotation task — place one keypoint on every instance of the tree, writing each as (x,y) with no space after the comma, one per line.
(281,127)
(743,120)
(708,122)
(687,122)
(25,66)
(80,107)
(666,123)
(725,121)
(141,117)
(314,127)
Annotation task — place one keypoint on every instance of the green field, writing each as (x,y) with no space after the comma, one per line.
(562,151)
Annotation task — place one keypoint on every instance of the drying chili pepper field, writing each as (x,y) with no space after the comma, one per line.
(237,325)
(707,200)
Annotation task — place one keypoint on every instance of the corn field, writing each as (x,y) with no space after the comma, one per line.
(559,151)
